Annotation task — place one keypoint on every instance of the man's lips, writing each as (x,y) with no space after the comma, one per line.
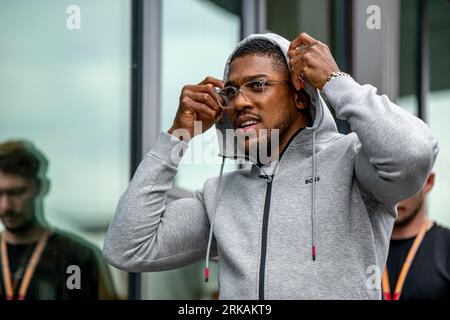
(246,122)
(249,127)
(9,219)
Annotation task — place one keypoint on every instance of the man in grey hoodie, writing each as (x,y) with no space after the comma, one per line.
(314,224)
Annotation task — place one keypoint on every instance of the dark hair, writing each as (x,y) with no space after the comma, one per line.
(23,159)
(263,48)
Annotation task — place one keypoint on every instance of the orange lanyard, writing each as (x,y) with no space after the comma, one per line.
(29,270)
(405,268)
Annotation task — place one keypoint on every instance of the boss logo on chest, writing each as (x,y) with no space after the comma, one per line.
(310,180)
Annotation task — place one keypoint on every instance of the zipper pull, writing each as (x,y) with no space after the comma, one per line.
(269,179)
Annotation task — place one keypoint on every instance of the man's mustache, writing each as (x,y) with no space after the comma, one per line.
(8,214)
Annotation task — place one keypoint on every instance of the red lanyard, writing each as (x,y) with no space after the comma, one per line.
(405,268)
(29,270)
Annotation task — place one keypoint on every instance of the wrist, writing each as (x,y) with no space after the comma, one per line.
(334,75)
(180,133)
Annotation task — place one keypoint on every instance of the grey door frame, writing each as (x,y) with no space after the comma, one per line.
(146,95)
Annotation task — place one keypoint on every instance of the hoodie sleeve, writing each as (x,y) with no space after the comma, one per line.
(395,151)
(145,233)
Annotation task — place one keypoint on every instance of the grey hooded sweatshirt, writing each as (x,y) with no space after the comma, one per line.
(317,227)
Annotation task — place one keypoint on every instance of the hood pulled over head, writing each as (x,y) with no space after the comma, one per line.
(228,145)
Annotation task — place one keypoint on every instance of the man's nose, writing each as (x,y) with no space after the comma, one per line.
(5,203)
(241,101)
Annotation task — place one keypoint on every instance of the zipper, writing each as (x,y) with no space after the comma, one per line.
(262,265)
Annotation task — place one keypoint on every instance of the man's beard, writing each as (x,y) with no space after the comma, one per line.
(265,146)
(24,227)
(284,125)
(407,220)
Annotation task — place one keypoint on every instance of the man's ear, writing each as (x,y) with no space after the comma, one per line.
(301,100)
(44,187)
(429,184)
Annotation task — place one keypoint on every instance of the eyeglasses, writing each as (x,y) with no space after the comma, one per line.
(253,91)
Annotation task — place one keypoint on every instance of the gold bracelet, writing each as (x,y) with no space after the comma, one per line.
(335,75)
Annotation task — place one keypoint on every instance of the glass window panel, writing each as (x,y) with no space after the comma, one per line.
(291,17)
(408,43)
(438,109)
(195,45)
(438,113)
(68,92)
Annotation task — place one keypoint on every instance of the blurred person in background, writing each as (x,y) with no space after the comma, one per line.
(37,261)
(418,265)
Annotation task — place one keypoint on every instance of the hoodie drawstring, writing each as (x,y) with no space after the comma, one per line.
(212,220)
(313,205)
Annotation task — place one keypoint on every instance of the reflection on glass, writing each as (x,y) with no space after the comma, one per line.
(67,90)
(38,261)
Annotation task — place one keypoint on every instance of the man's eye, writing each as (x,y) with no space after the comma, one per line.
(256,85)
(228,92)
(16,192)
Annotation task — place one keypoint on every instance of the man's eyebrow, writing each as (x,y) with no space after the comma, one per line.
(246,79)
(13,189)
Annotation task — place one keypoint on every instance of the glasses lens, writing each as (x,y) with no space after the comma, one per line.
(254,90)
(228,94)
(255,86)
